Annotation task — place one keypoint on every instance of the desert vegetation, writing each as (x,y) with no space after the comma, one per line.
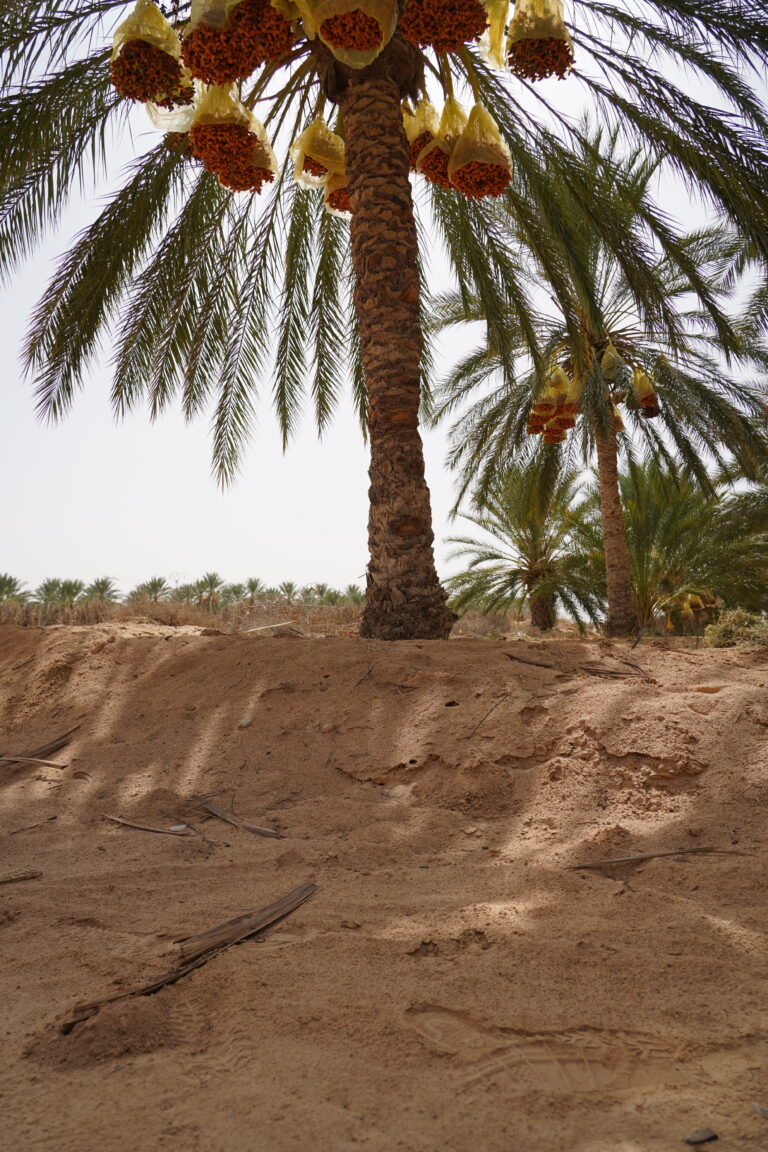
(207,601)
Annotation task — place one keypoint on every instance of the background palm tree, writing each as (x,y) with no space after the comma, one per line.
(232,594)
(155,589)
(255,589)
(688,550)
(103,588)
(353,594)
(209,591)
(189,274)
(605,337)
(531,556)
(183,594)
(288,590)
(12,590)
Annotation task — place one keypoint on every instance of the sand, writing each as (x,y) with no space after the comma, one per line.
(454,984)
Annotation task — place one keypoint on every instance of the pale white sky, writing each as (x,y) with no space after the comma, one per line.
(90,497)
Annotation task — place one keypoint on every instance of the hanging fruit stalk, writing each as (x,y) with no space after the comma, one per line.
(644,391)
(356,31)
(539,42)
(231,142)
(445,25)
(145,62)
(316,153)
(227,41)
(493,47)
(421,128)
(337,199)
(260,32)
(480,164)
(610,362)
(432,162)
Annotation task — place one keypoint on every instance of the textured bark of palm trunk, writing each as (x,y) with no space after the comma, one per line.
(404,599)
(621,619)
(543,613)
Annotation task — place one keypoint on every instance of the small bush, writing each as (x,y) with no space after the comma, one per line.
(736,626)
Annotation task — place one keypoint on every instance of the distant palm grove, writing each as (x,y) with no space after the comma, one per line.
(61,601)
(696,552)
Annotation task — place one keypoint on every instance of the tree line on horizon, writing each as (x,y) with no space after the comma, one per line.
(537,551)
(211,593)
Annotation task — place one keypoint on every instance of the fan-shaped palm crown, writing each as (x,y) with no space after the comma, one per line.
(614,372)
(529,554)
(204,292)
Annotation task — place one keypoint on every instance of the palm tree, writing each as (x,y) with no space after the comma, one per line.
(232,594)
(183,594)
(688,549)
(103,588)
(353,594)
(255,589)
(49,591)
(288,590)
(608,347)
(154,589)
(187,274)
(12,591)
(209,590)
(531,554)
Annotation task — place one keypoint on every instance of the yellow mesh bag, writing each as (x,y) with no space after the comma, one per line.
(643,387)
(421,128)
(316,153)
(480,163)
(145,63)
(539,42)
(356,31)
(572,401)
(211,12)
(553,394)
(298,10)
(147,23)
(238,150)
(493,46)
(174,119)
(618,422)
(610,362)
(644,390)
(218,104)
(434,159)
(337,195)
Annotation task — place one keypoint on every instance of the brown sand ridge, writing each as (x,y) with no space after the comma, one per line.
(452,985)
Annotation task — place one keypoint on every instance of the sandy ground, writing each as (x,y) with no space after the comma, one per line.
(453,984)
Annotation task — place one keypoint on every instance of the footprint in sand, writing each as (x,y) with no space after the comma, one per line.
(578,1060)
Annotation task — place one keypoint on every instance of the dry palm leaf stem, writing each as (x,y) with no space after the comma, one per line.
(198,950)
(44,750)
(658,855)
(144,827)
(236,820)
(15,877)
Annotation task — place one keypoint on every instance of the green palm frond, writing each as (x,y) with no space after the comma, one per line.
(192,285)
(530,548)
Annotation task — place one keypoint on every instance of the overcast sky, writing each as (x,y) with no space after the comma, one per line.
(90,497)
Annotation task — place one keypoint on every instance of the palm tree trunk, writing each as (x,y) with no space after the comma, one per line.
(542,612)
(621,619)
(404,599)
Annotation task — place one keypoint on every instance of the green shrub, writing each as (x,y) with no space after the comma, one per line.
(736,626)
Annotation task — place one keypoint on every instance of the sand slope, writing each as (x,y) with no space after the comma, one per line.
(452,985)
